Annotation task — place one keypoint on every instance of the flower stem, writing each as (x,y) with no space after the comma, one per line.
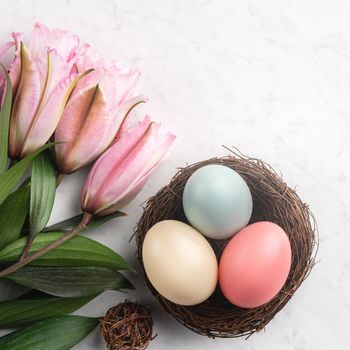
(27,247)
(28,259)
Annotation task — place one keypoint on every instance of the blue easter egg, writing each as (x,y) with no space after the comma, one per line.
(217,201)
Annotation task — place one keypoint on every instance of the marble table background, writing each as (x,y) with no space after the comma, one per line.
(269,77)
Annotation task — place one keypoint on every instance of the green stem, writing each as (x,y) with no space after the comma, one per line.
(27,247)
(28,259)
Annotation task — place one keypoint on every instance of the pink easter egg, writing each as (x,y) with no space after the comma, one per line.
(255,264)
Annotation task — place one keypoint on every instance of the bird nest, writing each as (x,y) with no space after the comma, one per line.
(273,201)
(127,326)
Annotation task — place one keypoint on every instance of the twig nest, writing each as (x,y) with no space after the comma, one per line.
(273,201)
(127,326)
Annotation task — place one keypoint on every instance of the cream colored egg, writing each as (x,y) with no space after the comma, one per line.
(179,262)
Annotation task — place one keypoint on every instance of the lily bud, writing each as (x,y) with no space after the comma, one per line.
(95,112)
(42,80)
(121,172)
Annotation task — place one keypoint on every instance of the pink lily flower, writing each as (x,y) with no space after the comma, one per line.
(3,50)
(121,172)
(96,112)
(42,79)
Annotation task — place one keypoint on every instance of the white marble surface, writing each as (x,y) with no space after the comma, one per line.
(269,77)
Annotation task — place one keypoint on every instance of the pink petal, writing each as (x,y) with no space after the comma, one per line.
(137,166)
(88,82)
(64,43)
(129,194)
(43,40)
(115,154)
(122,202)
(15,68)
(59,72)
(49,116)
(117,84)
(127,84)
(122,170)
(25,104)
(87,129)
(88,58)
(123,112)
(62,48)
(4,48)
(39,41)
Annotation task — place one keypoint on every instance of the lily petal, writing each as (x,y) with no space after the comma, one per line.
(91,129)
(50,115)
(123,113)
(88,82)
(42,40)
(118,84)
(58,68)
(114,155)
(25,104)
(88,127)
(3,49)
(135,167)
(122,170)
(15,67)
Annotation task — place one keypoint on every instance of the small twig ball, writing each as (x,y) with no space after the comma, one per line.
(127,326)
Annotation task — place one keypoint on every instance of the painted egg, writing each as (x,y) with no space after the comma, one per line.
(179,262)
(217,201)
(255,264)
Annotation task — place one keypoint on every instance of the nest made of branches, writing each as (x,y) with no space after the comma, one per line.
(273,201)
(127,326)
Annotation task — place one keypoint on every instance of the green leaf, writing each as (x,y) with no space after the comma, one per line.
(4,125)
(33,294)
(78,251)
(13,212)
(17,313)
(69,224)
(42,192)
(70,282)
(11,177)
(56,333)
